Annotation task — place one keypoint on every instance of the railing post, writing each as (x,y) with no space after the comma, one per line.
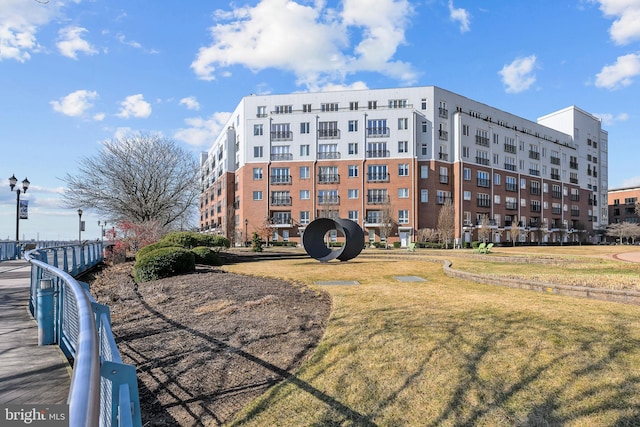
(45,313)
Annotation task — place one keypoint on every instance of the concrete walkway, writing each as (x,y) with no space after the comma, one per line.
(28,373)
(628,256)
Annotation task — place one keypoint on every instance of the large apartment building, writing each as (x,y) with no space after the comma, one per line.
(401,154)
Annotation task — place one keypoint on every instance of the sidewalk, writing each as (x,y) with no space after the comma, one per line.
(28,373)
(628,256)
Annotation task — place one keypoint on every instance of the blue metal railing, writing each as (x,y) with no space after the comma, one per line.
(104,391)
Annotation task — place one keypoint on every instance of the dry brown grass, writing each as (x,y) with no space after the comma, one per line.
(449,352)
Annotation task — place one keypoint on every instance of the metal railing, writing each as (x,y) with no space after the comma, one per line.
(104,391)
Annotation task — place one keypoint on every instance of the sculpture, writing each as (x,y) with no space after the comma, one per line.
(313,239)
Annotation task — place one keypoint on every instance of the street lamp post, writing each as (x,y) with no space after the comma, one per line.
(102,226)
(246,235)
(25,186)
(80,226)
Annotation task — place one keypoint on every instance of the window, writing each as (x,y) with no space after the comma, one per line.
(467,195)
(465,130)
(465,152)
(257,151)
(353,105)
(377,128)
(331,106)
(304,172)
(403,169)
(283,109)
(372,105)
(306,108)
(353,216)
(424,171)
(403,193)
(424,149)
(496,179)
(280,152)
(262,111)
(443,196)
(496,199)
(483,179)
(328,130)
(353,148)
(281,132)
(377,149)
(403,146)
(304,217)
(305,195)
(257,195)
(353,126)
(403,123)
(257,130)
(403,216)
(352,193)
(304,150)
(328,151)
(257,174)
(424,127)
(377,173)
(304,127)
(424,196)
(397,103)
(424,103)
(353,171)
(466,174)
(444,175)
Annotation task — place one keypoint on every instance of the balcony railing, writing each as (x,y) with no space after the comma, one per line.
(377,200)
(328,133)
(443,113)
(510,167)
(284,135)
(482,161)
(328,200)
(378,177)
(573,180)
(535,207)
(511,205)
(575,197)
(534,155)
(443,156)
(280,179)
(281,220)
(575,212)
(534,191)
(510,148)
(329,178)
(511,186)
(444,179)
(481,140)
(573,165)
(323,155)
(484,203)
(534,172)
(281,201)
(443,135)
(378,153)
(556,194)
(555,160)
(378,132)
(556,211)
(555,176)
(483,182)
(281,156)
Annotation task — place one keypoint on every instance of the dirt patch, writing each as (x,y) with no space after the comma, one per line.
(206,344)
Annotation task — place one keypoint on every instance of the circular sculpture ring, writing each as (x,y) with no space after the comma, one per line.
(313,239)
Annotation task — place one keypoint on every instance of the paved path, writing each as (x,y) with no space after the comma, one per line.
(28,373)
(628,256)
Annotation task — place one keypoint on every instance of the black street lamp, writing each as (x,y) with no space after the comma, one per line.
(102,226)
(246,235)
(25,185)
(80,226)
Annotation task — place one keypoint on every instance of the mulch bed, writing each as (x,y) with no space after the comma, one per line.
(206,344)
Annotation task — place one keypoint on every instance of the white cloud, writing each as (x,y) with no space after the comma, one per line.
(332,87)
(309,40)
(99,117)
(70,42)
(630,182)
(201,131)
(609,119)
(518,76)
(461,16)
(619,74)
(190,102)
(626,27)
(134,106)
(76,103)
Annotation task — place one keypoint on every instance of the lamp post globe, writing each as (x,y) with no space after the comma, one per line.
(25,186)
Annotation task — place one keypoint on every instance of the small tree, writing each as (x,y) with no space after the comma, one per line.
(446,223)
(484,231)
(387,222)
(515,232)
(256,242)
(428,235)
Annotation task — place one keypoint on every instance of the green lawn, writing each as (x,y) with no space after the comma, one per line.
(449,352)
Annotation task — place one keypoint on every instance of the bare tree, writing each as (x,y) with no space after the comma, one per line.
(428,235)
(484,232)
(515,232)
(623,230)
(387,222)
(446,223)
(138,179)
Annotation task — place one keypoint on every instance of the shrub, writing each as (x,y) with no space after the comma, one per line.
(164,262)
(207,256)
(152,247)
(396,245)
(191,239)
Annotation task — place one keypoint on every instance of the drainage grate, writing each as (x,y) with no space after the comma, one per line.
(339,282)
(409,279)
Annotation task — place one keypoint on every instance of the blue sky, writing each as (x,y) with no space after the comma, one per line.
(74,73)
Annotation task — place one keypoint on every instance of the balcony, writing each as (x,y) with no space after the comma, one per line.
(573,180)
(534,172)
(372,154)
(281,156)
(377,200)
(482,161)
(444,179)
(441,200)
(281,201)
(443,113)
(484,203)
(535,207)
(328,200)
(511,206)
(556,211)
(556,194)
(378,132)
(325,155)
(443,135)
(575,197)
(534,191)
(443,156)
(328,133)
(510,148)
(509,186)
(555,160)
(535,155)
(281,221)
(281,179)
(329,178)
(573,165)
(510,167)
(481,140)
(555,176)
(482,182)
(377,177)
(284,135)
(575,212)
